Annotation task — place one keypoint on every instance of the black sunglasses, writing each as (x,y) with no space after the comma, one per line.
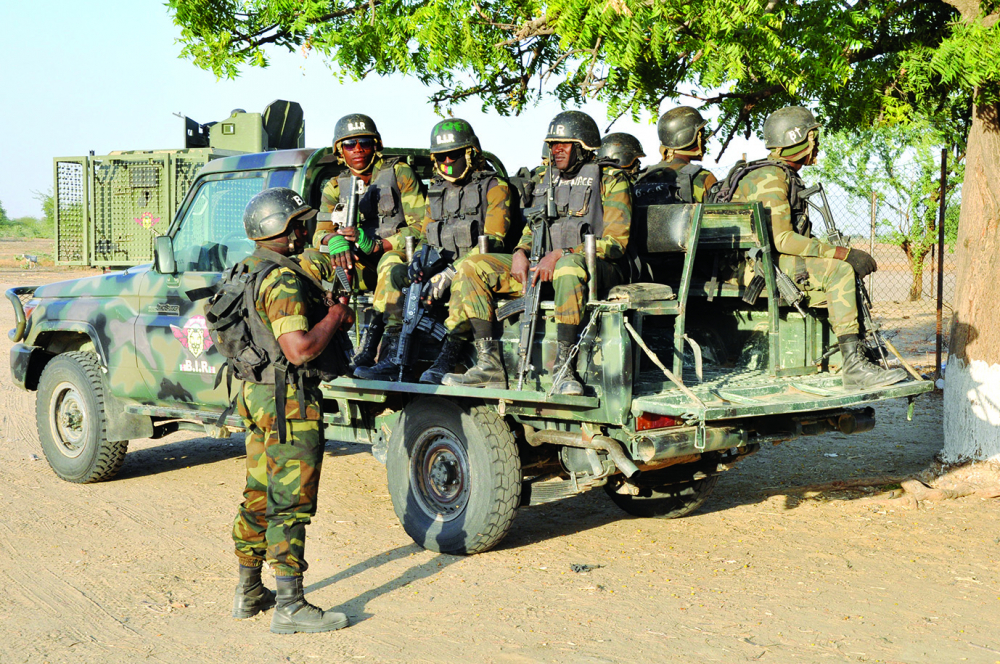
(363,143)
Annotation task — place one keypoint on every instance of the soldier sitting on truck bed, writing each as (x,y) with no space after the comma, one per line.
(464,201)
(622,151)
(590,199)
(824,271)
(391,207)
(676,179)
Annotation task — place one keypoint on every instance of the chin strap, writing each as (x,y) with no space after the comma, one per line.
(695,148)
(804,152)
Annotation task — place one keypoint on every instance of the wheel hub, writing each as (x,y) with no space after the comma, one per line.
(440,474)
(67,417)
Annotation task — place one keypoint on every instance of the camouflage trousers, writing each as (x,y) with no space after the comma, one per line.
(282,479)
(830,283)
(479,279)
(392,279)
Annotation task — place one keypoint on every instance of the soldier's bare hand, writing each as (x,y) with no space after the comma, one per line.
(343,259)
(519,267)
(343,312)
(546,267)
(350,233)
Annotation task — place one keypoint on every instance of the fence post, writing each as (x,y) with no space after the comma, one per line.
(940,257)
(871,246)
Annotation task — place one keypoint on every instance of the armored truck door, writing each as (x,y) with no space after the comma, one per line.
(176,357)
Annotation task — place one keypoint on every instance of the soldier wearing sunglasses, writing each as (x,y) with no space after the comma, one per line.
(391,206)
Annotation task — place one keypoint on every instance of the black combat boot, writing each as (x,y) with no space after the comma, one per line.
(569,384)
(858,372)
(445,362)
(388,367)
(251,595)
(487,372)
(294,614)
(368,348)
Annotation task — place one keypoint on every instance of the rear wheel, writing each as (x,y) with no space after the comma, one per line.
(667,494)
(454,476)
(69,413)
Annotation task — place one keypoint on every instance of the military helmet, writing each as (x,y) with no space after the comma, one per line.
(621,148)
(269,213)
(452,134)
(353,125)
(679,127)
(574,127)
(788,126)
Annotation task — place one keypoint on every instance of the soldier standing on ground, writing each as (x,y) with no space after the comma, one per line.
(590,199)
(825,272)
(391,206)
(464,201)
(283,474)
(676,179)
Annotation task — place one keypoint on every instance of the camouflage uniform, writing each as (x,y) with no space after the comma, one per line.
(700,183)
(480,278)
(496,227)
(369,273)
(282,480)
(807,259)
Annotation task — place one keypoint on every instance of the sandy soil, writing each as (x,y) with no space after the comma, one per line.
(141,568)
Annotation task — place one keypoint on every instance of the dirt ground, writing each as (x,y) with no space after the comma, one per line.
(141,568)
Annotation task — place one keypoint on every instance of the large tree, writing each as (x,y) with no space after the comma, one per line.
(859,64)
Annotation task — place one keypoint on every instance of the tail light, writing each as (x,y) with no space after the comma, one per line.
(652,421)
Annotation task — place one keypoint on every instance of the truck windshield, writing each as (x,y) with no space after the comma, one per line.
(211,236)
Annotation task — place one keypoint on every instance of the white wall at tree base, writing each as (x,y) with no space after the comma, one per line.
(971,412)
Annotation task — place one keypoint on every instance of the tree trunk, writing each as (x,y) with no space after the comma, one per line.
(917,285)
(972,386)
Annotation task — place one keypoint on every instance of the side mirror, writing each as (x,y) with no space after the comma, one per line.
(164,263)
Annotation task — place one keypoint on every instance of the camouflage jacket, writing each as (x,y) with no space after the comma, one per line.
(616,197)
(700,184)
(497,218)
(412,194)
(770,185)
(286,306)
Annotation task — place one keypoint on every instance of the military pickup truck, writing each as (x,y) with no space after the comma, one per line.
(683,378)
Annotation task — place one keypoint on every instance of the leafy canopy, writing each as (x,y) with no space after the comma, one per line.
(858,62)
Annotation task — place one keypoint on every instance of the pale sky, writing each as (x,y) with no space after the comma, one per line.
(105,75)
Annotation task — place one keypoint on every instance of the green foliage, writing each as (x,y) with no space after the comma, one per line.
(860,64)
(29,227)
(901,165)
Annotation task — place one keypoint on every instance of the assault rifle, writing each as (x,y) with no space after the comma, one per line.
(872,333)
(527,305)
(416,311)
(787,289)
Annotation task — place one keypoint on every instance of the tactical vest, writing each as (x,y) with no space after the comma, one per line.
(578,204)
(380,206)
(662,185)
(723,191)
(458,212)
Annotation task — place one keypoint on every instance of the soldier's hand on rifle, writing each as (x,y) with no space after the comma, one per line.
(340,252)
(545,268)
(861,261)
(519,267)
(441,282)
(343,313)
(365,243)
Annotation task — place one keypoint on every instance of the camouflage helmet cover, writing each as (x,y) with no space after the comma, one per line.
(624,149)
(788,126)
(354,125)
(574,127)
(270,213)
(452,134)
(679,127)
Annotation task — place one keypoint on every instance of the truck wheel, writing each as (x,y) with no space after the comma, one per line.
(675,498)
(454,476)
(69,413)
